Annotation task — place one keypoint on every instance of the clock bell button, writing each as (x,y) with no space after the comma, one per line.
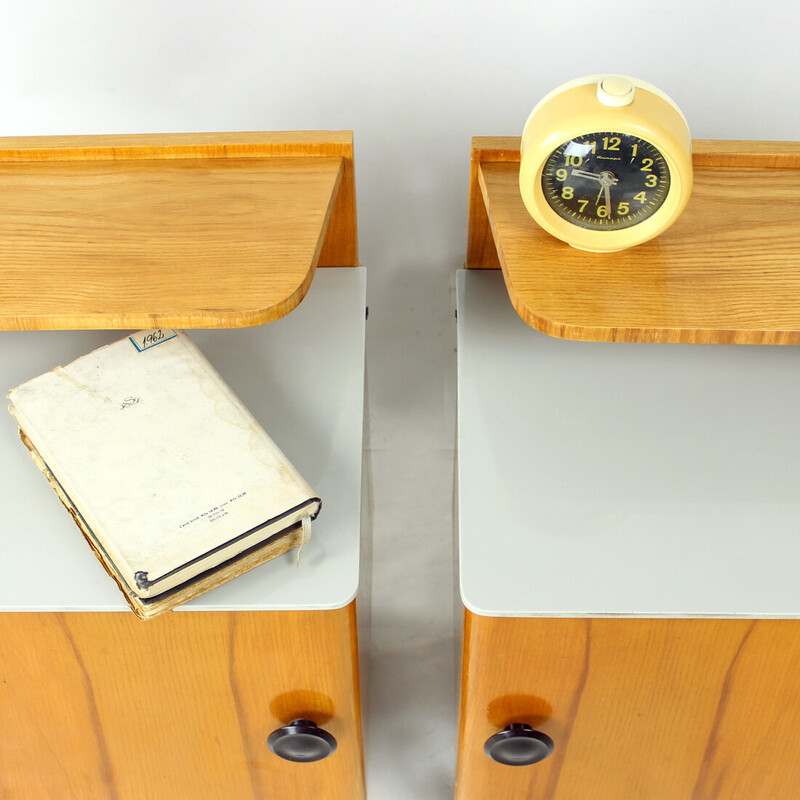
(615,91)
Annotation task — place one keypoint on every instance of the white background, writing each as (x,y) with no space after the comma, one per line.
(414,80)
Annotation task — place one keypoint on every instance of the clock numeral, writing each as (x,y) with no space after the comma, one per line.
(641,197)
(592,147)
(623,209)
(567,192)
(561,175)
(611,142)
(647,163)
(582,204)
(602,211)
(651,181)
(574,161)
(635,150)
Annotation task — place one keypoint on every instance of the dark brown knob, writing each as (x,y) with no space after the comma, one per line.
(301,740)
(518,745)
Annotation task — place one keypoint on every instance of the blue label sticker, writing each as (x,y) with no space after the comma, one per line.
(144,340)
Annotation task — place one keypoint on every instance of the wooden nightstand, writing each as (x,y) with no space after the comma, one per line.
(628,518)
(96,703)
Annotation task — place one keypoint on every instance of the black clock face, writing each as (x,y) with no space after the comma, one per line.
(605,180)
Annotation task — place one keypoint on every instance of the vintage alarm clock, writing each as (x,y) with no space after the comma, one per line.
(606,163)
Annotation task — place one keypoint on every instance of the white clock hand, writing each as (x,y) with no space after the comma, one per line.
(604,177)
(582,173)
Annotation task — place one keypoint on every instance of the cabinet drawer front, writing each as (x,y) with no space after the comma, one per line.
(704,709)
(103,704)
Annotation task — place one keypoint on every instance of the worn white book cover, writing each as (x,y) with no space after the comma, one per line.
(164,469)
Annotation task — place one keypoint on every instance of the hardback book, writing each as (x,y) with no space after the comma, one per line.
(172,481)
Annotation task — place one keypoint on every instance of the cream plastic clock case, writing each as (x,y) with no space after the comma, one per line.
(606,162)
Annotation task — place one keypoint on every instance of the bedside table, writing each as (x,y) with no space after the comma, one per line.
(192,231)
(628,546)
(99,703)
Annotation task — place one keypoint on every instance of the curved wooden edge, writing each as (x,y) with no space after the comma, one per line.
(585,333)
(217,318)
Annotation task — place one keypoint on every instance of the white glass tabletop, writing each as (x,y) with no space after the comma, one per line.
(623,479)
(301,376)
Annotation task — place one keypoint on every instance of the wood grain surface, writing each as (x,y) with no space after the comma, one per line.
(174,230)
(103,705)
(663,709)
(727,272)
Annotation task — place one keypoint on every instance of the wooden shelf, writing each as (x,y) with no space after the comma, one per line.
(178,230)
(728,272)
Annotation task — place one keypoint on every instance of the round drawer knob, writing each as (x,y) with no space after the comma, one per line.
(301,740)
(518,745)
